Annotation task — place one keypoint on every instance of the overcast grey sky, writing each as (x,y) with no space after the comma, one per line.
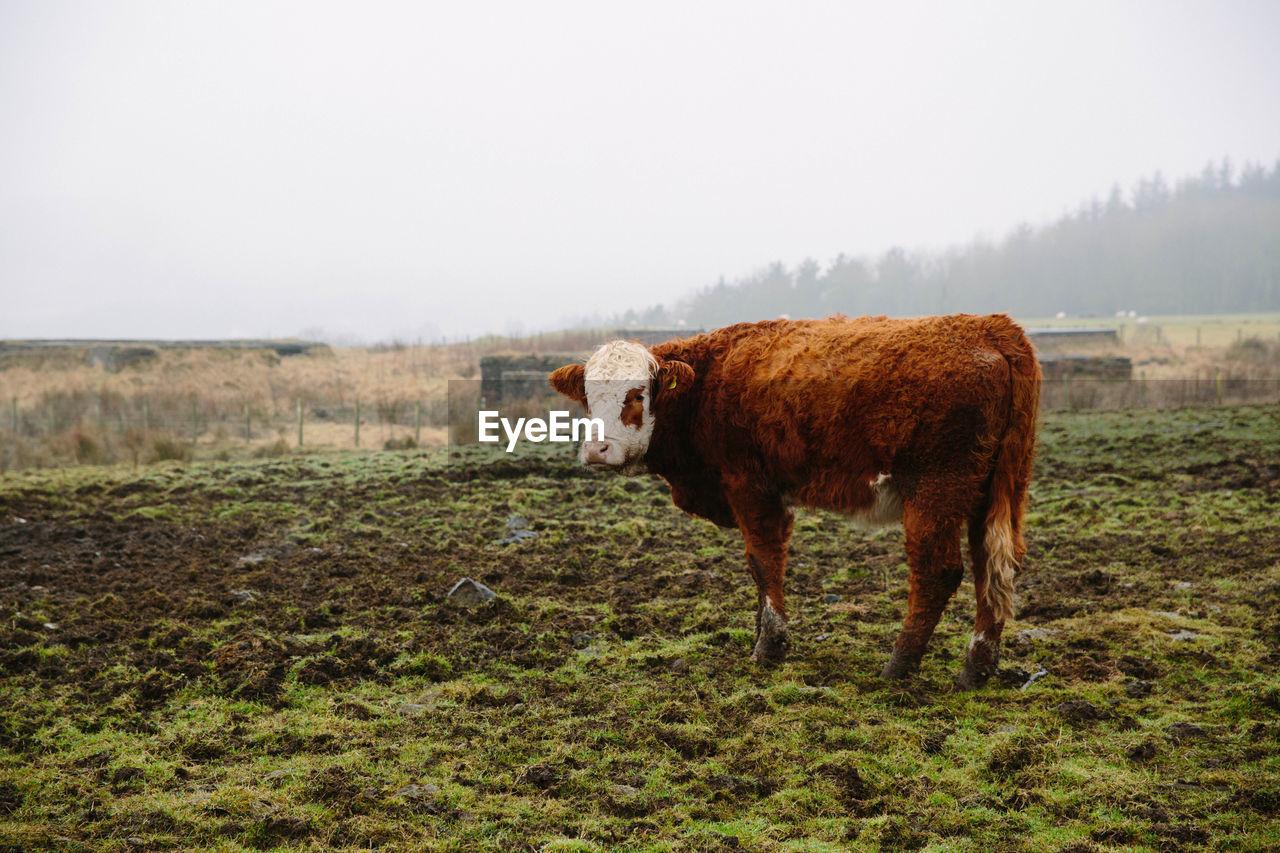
(183,169)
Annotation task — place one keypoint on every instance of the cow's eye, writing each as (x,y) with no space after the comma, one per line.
(633,408)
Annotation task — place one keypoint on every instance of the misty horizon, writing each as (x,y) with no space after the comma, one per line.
(408,172)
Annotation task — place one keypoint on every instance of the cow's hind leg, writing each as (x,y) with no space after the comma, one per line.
(933,555)
(766,531)
(983,657)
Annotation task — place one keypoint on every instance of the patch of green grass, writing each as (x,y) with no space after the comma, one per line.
(259,654)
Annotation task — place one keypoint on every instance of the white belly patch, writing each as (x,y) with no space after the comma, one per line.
(887,508)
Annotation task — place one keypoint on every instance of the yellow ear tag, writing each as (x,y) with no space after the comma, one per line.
(671,384)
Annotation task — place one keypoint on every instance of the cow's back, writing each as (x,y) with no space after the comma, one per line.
(820,409)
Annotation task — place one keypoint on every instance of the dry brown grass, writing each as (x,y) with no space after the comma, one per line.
(70,411)
(267,382)
(380,375)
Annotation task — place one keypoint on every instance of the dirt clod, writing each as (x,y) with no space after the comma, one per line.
(1138,667)
(1142,752)
(11,799)
(1138,689)
(540,776)
(1081,711)
(1184,731)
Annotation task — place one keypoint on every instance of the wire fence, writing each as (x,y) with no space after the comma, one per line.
(1210,389)
(79,428)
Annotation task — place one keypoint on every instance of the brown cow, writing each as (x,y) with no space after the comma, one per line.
(930,421)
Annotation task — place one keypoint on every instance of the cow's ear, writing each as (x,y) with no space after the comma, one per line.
(672,380)
(569,381)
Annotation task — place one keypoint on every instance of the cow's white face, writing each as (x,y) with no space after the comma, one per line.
(618,383)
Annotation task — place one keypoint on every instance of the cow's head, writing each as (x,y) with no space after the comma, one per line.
(625,386)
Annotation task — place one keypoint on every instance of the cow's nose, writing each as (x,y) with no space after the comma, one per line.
(594,452)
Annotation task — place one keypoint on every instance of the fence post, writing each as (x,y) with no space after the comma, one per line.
(247,434)
(146,414)
(357,420)
(1142,389)
(299,421)
(417,422)
(195,422)
(1217,381)
(14,413)
(1066,383)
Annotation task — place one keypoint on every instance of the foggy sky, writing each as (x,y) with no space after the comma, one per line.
(424,169)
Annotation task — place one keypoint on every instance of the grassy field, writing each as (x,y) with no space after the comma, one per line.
(250,655)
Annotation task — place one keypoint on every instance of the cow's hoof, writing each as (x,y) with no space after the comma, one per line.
(973,676)
(771,646)
(770,651)
(981,662)
(771,638)
(899,667)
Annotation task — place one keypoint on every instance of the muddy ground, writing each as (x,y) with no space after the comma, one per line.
(259,655)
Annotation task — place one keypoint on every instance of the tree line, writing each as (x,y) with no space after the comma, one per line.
(1207,244)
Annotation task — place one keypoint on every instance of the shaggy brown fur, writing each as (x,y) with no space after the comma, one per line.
(932,420)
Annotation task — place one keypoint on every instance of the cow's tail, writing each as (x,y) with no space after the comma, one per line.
(1007,494)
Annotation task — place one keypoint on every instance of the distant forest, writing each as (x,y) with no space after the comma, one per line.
(1208,244)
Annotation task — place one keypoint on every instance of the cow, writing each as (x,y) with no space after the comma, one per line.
(928,421)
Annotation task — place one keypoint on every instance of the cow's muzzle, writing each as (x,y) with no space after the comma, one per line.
(595,452)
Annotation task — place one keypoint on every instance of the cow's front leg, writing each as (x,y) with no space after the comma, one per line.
(771,612)
(766,528)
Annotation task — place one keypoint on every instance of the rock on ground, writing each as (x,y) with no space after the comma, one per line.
(467,591)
